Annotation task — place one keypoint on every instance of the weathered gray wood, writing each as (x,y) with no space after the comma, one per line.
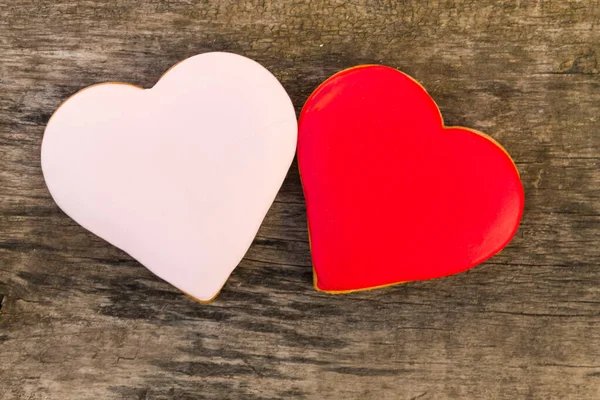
(81,320)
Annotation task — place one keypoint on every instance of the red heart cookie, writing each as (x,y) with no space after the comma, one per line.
(393,195)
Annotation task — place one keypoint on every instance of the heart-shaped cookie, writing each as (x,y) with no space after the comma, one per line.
(392,194)
(180,176)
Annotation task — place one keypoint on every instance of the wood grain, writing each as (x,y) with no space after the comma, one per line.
(80,319)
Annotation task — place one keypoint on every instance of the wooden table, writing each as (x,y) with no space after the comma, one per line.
(80,319)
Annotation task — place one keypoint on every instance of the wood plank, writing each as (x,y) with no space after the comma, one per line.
(80,319)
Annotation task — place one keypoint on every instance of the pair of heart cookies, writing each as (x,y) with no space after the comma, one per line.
(180,176)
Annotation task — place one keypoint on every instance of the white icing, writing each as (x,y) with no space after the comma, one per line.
(179,176)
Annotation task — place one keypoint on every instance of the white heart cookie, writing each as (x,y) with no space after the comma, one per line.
(180,176)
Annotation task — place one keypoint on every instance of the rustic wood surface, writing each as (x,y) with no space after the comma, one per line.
(80,319)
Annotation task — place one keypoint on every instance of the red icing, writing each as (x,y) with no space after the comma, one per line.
(391,194)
